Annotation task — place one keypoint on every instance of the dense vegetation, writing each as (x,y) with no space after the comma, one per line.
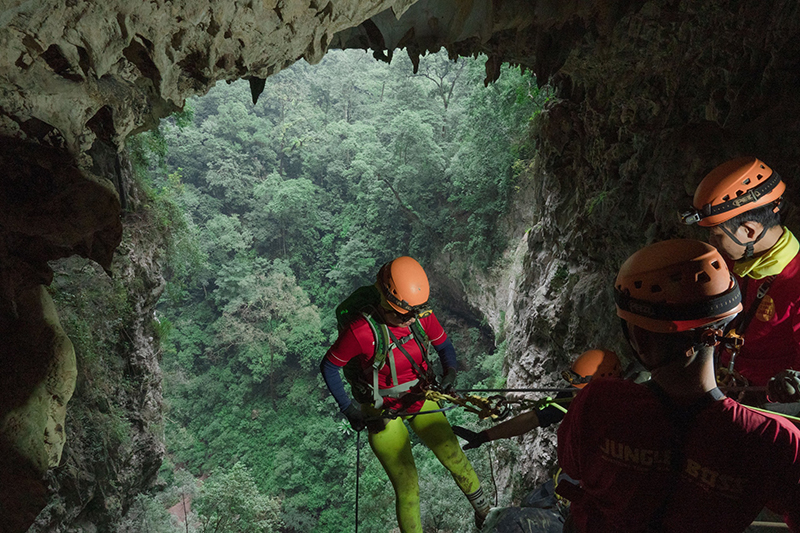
(284,208)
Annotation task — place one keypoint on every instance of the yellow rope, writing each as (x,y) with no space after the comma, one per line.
(790,417)
(777,525)
(555,403)
(555,484)
(494,407)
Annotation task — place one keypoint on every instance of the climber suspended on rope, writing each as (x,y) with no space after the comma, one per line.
(385,332)
(587,366)
(740,202)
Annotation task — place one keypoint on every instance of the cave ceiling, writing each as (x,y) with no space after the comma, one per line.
(648,96)
(78,77)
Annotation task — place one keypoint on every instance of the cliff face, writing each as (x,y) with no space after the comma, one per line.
(115,420)
(641,114)
(649,96)
(76,79)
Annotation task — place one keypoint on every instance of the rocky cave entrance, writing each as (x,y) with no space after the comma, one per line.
(649,96)
(280,204)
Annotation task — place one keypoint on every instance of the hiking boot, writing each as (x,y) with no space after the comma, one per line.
(480,518)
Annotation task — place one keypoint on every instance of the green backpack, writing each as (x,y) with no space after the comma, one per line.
(364,302)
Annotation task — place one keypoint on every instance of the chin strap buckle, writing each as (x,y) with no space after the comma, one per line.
(712,337)
(733,342)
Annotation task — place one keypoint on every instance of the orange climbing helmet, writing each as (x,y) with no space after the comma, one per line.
(593,364)
(676,285)
(734,187)
(404,284)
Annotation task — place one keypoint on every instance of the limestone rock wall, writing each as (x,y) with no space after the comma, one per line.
(648,97)
(120,66)
(641,114)
(33,427)
(115,420)
(76,78)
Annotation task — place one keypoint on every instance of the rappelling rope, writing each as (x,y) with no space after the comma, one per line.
(491,470)
(358,471)
(495,407)
(767,411)
(541,389)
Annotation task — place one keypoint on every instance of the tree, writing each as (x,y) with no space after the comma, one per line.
(148,514)
(269,318)
(229,501)
(295,202)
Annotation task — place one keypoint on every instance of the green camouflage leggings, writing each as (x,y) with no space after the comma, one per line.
(393,449)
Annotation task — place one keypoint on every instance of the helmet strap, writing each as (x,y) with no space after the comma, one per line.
(749,250)
(573,378)
(626,332)
(711,337)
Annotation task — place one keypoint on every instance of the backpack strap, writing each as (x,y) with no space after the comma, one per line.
(385,341)
(682,419)
(380,336)
(747,317)
(424,342)
(399,345)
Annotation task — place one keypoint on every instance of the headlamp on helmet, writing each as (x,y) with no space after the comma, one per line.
(592,364)
(732,188)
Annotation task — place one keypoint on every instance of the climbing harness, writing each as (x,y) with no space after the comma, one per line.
(385,343)
(729,378)
(364,303)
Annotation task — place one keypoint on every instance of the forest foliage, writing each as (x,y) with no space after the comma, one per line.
(285,207)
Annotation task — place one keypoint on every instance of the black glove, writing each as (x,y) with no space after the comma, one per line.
(784,387)
(449,381)
(356,418)
(474,439)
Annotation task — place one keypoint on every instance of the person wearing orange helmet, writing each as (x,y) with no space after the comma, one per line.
(739,202)
(674,454)
(382,347)
(591,364)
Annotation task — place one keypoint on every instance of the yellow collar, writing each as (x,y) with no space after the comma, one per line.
(773,261)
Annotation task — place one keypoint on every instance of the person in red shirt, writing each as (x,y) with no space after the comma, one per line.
(388,393)
(675,454)
(739,202)
(591,364)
